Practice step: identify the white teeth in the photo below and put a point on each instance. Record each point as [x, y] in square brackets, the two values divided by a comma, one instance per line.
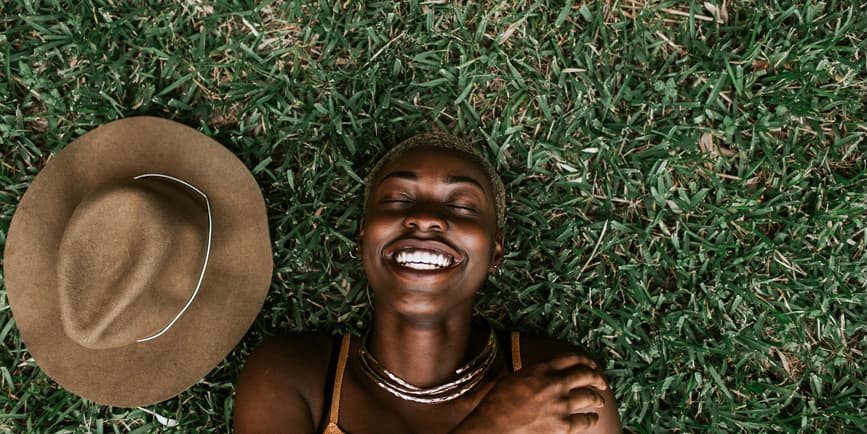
[420, 266]
[422, 259]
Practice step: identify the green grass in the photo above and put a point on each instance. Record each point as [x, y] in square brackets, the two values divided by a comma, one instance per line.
[687, 191]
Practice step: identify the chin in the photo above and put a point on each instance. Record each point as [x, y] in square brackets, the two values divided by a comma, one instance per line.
[420, 305]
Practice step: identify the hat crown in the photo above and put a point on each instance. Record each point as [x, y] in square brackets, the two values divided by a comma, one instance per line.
[129, 260]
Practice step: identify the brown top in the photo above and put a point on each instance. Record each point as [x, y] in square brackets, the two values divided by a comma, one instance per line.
[334, 412]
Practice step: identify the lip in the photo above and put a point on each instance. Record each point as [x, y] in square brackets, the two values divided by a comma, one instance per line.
[433, 246]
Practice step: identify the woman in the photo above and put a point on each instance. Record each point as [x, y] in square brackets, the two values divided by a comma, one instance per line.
[431, 233]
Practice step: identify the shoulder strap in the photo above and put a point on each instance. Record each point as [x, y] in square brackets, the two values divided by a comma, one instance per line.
[334, 413]
[516, 352]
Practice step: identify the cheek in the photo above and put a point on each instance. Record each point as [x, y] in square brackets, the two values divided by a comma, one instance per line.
[480, 242]
[376, 230]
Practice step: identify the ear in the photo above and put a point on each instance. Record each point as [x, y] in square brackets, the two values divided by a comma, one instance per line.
[360, 230]
[497, 255]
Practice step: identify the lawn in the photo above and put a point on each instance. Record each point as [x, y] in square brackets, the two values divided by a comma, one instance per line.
[687, 183]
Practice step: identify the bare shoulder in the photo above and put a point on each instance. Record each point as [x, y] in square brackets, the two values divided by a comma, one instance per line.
[538, 349]
[281, 388]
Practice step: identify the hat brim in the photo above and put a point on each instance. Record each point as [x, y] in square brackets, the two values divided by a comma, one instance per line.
[232, 291]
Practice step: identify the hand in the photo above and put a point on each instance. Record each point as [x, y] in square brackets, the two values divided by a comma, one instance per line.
[559, 396]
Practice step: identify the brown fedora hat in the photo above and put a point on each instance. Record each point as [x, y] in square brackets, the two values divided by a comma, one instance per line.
[136, 260]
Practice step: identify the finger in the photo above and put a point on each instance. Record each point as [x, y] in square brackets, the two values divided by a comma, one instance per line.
[584, 399]
[569, 360]
[578, 423]
[582, 376]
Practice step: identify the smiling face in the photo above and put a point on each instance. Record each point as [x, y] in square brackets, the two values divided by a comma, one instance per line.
[429, 234]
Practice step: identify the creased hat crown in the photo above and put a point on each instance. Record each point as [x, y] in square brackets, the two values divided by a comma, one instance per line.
[129, 260]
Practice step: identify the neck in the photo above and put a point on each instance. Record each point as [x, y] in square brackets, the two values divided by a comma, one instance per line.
[425, 352]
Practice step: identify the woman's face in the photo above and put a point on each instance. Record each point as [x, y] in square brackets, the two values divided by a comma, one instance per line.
[429, 233]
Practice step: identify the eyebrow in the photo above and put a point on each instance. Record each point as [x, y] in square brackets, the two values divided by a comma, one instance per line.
[458, 179]
[465, 180]
[402, 175]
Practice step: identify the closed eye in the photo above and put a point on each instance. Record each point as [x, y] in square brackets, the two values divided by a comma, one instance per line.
[397, 201]
[463, 207]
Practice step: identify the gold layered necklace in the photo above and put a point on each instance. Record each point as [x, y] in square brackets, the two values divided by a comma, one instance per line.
[467, 376]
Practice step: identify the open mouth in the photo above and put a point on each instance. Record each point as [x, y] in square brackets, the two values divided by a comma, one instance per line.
[422, 259]
[423, 255]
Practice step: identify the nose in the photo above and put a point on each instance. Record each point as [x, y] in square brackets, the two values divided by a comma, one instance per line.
[424, 219]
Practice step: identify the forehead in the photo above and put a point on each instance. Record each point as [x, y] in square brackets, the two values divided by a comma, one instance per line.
[431, 162]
